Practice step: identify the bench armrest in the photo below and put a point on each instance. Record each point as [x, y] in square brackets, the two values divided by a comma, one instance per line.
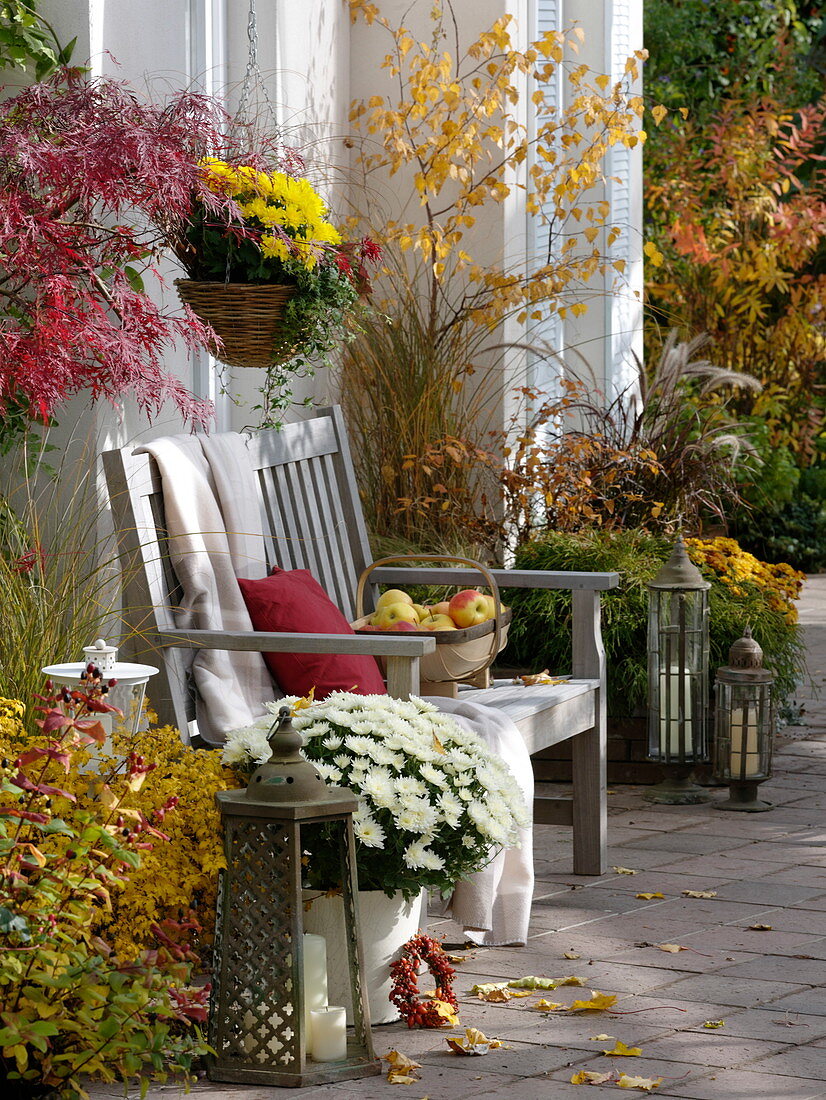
[505, 578]
[402, 654]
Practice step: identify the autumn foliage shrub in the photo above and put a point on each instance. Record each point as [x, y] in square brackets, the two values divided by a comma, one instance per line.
[70, 1006]
[744, 591]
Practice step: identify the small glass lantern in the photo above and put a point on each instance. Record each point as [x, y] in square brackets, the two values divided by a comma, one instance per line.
[678, 677]
[267, 1025]
[127, 693]
[744, 726]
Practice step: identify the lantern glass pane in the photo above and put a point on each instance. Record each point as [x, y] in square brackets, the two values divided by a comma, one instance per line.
[678, 675]
[744, 726]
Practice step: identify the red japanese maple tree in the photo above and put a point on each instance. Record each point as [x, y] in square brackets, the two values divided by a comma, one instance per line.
[87, 173]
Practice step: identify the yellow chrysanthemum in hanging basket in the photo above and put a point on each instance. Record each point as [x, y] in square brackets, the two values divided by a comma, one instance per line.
[267, 269]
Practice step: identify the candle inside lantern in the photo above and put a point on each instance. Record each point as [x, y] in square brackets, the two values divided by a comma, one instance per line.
[744, 744]
[328, 1034]
[315, 982]
[671, 712]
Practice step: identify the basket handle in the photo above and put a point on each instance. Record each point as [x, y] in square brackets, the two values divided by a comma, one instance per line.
[489, 578]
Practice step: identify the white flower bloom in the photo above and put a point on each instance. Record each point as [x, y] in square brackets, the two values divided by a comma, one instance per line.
[415, 857]
[451, 808]
[382, 755]
[359, 746]
[468, 842]
[431, 774]
[342, 760]
[378, 786]
[246, 747]
[407, 786]
[368, 831]
[333, 742]
[328, 773]
[416, 815]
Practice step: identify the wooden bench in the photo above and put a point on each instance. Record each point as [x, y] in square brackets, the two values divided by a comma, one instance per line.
[313, 520]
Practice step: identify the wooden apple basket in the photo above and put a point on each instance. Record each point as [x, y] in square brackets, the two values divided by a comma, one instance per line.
[463, 655]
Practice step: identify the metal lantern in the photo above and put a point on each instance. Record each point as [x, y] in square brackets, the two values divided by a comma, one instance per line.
[678, 676]
[261, 1028]
[127, 693]
[744, 726]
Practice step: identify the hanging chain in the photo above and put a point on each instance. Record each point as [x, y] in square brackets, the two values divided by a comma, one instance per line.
[253, 73]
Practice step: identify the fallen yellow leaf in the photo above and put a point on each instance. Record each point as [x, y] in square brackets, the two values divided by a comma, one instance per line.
[760, 928]
[571, 955]
[601, 1038]
[623, 870]
[649, 895]
[487, 987]
[597, 1002]
[497, 996]
[472, 1042]
[402, 1069]
[588, 1077]
[546, 1006]
[621, 1048]
[447, 1012]
[645, 1084]
[699, 893]
[672, 948]
[714, 1023]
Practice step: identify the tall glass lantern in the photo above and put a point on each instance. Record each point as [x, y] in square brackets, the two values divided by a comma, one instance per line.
[678, 676]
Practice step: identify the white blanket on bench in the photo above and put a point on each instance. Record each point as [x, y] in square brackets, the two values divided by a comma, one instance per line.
[213, 522]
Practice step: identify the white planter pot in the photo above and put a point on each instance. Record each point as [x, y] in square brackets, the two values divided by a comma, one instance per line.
[386, 925]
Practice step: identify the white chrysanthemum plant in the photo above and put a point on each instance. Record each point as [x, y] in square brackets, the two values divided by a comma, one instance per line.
[435, 804]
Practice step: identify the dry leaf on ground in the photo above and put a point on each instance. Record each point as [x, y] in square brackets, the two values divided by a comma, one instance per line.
[546, 1006]
[597, 1003]
[645, 1084]
[621, 1049]
[570, 955]
[402, 1069]
[472, 1042]
[649, 895]
[588, 1077]
[760, 928]
[532, 982]
[624, 871]
[699, 893]
[601, 1038]
[484, 988]
[714, 1023]
[672, 948]
[449, 1015]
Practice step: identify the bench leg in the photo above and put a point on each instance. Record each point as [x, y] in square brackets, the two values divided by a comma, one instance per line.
[590, 813]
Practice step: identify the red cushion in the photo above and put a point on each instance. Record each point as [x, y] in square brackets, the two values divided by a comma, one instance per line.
[293, 601]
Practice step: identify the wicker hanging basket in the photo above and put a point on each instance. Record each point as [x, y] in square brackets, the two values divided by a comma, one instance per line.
[247, 316]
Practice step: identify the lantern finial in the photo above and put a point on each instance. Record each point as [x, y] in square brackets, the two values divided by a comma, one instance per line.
[286, 776]
[679, 571]
[745, 653]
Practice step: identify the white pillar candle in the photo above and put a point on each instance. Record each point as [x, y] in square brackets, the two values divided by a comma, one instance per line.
[744, 739]
[670, 718]
[328, 1034]
[314, 975]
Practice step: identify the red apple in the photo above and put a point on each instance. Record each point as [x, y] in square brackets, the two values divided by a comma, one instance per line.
[403, 624]
[442, 608]
[469, 608]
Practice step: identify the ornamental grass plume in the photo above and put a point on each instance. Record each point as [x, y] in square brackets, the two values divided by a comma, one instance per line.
[434, 802]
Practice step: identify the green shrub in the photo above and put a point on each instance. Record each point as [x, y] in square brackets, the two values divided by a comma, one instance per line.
[743, 592]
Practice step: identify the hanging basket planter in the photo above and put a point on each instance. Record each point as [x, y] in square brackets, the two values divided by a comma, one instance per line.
[248, 317]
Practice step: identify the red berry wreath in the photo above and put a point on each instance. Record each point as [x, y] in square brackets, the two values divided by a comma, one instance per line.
[405, 992]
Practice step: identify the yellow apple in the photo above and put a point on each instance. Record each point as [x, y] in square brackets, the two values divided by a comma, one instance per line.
[422, 612]
[438, 622]
[393, 595]
[390, 613]
[469, 608]
[442, 608]
[492, 606]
